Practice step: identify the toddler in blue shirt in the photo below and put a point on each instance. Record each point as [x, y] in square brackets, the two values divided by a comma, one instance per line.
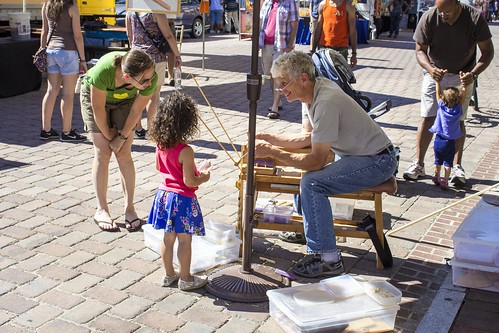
[447, 130]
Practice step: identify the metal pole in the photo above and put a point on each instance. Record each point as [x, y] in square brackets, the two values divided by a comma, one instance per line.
[204, 25]
[254, 86]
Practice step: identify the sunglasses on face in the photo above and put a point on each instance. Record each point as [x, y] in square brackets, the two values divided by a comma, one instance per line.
[143, 82]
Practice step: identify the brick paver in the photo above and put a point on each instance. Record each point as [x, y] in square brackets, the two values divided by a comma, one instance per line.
[60, 273]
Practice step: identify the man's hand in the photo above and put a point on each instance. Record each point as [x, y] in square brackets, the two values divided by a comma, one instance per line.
[263, 136]
[263, 149]
[437, 74]
[353, 60]
[466, 78]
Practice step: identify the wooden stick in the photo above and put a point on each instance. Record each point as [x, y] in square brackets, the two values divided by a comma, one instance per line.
[391, 232]
[218, 119]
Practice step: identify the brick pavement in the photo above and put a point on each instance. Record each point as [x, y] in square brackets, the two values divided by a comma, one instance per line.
[59, 273]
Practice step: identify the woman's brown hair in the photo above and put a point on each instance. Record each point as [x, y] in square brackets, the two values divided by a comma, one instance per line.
[134, 62]
[55, 7]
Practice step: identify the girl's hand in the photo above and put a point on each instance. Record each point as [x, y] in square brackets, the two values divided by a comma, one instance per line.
[205, 166]
[466, 78]
[437, 74]
[204, 176]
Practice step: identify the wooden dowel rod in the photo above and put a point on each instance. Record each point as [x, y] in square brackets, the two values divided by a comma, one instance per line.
[391, 232]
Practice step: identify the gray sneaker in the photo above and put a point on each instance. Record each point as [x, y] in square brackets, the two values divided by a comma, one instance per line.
[457, 175]
[414, 171]
[198, 282]
[313, 266]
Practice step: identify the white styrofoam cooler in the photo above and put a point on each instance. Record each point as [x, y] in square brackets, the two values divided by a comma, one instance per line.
[343, 208]
[205, 253]
[477, 238]
[311, 308]
[475, 276]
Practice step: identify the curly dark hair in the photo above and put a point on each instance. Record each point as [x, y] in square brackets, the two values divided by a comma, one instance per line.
[176, 120]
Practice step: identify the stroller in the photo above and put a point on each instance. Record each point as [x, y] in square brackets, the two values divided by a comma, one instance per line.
[331, 64]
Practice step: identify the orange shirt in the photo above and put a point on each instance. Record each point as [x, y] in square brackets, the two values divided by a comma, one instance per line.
[335, 25]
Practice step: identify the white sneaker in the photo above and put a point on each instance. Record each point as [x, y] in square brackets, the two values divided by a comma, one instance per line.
[168, 280]
[414, 171]
[457, 175]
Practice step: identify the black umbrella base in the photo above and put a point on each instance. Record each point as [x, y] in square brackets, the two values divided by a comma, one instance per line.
[231, 283]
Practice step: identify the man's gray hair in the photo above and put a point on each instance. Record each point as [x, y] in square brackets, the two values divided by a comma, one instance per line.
[292, 65]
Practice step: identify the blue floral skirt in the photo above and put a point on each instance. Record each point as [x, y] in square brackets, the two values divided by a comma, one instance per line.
[176, 213]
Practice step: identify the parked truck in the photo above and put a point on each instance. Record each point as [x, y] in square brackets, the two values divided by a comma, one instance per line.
[90, 10]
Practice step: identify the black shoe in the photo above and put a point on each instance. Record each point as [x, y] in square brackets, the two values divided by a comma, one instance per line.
[52, 134]
[313, 266]
[72, 136]
[140, 134]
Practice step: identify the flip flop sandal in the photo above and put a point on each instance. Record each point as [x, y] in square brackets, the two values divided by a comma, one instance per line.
[129, 224]
[114, 227]
[273, 115]
[293, 237]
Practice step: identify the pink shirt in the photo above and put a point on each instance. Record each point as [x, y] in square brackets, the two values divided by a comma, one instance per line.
[172, 173]
[271, 24]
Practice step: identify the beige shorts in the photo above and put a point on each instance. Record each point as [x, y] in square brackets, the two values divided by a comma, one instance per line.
[160, 69]
[269, 54]
[313, 24]
[116, 112]
[429, 101]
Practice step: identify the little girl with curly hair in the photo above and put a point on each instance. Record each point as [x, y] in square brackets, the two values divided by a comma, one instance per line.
[447, 129]
[175, 208]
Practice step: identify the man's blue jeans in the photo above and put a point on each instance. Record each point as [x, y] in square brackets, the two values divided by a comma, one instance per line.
[347, 175]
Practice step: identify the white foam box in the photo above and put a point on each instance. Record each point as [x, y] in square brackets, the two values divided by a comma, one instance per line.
[475, 276]
[311, 308]
[219, 232]
[205, 254]
[476, 240]
[343, 208]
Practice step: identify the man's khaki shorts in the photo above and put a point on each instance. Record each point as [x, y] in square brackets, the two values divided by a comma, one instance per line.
[429, 101]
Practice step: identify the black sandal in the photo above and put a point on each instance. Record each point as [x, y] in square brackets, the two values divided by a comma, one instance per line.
[129, 224]
[273, 115]
[113, 228]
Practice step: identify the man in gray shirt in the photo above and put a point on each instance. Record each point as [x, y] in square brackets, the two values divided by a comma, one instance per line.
[339, 124]
[446, 40]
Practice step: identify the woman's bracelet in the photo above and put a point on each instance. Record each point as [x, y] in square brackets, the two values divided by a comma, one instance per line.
[83, 60]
